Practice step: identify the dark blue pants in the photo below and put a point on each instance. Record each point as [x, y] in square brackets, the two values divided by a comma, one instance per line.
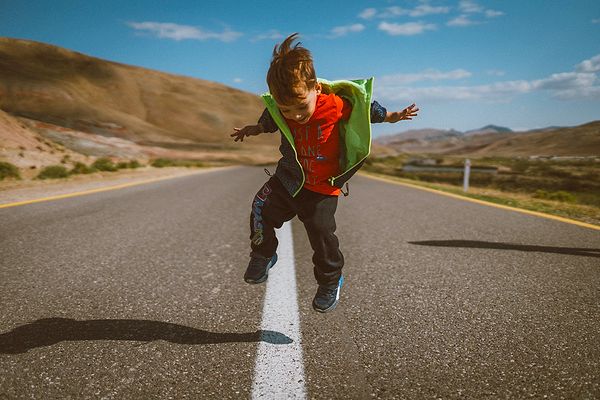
[273, 205]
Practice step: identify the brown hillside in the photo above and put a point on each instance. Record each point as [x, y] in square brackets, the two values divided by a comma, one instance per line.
[61, 87]
[25, 148]
[582, 140]
[579, 141]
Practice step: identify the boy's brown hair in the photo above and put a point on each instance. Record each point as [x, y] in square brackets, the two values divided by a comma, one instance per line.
[291, 73]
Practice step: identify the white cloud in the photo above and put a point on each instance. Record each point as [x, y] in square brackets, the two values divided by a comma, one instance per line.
[591, 65]
[469, 6]
[596, 21]
[426, 9]
[406, 29]
[592, 92]
[565, 81]
[339, 31]
[368, 13]
[395, 11]
[238, 80]
[461, 20]
[496, 92]
[427, 75]
[582, 84]
[493, 13]
[495, 72]
[269, 35]
[179, 32]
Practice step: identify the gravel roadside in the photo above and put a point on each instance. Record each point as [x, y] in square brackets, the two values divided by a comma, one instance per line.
[16, 191]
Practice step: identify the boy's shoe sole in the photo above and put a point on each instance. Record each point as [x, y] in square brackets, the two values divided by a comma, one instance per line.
[337, 298]
[266, 275]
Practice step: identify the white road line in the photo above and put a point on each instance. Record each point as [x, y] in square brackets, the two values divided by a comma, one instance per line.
[279, 371]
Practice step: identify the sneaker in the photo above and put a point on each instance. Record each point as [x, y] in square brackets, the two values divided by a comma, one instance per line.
[258, 268]
[327, 298]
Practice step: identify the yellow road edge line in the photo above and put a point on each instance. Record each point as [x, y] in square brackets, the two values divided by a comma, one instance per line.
[486, 203]
[102, 189]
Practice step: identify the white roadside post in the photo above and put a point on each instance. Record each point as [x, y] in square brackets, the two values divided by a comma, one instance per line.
[467, 173]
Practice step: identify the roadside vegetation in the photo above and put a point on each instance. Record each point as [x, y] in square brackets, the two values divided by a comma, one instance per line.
[8, 170]
[564, 187]
[53, 172]
[101, 164]
[167, 162]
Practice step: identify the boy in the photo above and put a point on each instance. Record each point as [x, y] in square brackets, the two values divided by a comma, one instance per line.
[326, 137]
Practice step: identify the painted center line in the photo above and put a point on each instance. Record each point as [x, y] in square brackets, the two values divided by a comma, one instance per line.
[279, 371]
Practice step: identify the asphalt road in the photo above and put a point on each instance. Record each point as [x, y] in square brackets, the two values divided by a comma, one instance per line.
[138, 293]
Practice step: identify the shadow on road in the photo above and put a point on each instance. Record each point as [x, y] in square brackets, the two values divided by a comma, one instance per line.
[574, 251]
[49, 331]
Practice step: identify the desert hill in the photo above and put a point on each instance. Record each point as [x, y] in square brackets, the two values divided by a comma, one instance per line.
[63, 94]
[417, 135]
[488, 129]
[583, 140]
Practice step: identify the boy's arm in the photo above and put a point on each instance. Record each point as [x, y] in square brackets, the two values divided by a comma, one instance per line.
[265, 124]
[406, 114]
[378, 112]
[381, 114]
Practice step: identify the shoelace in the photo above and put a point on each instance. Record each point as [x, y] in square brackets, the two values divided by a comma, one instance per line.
[258, 262]
[326, 291]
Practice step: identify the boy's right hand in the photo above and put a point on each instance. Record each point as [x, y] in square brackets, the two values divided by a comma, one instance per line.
[248, 130]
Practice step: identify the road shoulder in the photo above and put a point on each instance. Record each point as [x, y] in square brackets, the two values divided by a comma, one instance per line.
[19, 192]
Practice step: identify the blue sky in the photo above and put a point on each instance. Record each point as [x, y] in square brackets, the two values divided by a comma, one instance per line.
[466, 63]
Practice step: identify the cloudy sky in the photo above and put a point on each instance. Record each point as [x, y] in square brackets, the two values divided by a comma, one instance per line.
[466, 63]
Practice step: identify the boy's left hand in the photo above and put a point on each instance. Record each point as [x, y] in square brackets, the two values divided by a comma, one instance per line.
[407, 114]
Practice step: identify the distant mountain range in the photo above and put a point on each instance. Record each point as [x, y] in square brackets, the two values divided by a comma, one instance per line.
[492, 140]
[56, 103]
[433, 134]
[488, 129]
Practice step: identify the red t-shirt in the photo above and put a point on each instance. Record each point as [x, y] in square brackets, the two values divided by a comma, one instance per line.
[318, 142]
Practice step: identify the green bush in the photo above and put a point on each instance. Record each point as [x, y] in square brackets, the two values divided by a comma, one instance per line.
[128, 164]
[521, 166]
[81, 168]
[104, 164]
[166, 162]
[193, 163]
[162, 162]
[8, 170]
[134, 164]
[561, 195]
[53, 172]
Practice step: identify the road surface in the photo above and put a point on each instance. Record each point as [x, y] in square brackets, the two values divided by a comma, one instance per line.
[138, 293]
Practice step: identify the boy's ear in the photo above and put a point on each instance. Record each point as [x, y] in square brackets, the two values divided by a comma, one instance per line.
[318, 87]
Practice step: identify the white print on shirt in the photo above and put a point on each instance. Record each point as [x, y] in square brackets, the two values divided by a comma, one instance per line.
[309, 154]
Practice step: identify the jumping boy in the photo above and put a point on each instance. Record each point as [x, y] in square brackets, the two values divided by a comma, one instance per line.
[326, 137]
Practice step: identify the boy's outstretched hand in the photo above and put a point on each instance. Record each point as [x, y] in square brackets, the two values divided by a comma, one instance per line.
[248, 130]
[407, 113]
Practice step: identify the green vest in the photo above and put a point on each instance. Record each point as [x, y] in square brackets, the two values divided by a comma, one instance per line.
[355, 134]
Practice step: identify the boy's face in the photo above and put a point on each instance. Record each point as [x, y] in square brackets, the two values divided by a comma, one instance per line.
[303, 106]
